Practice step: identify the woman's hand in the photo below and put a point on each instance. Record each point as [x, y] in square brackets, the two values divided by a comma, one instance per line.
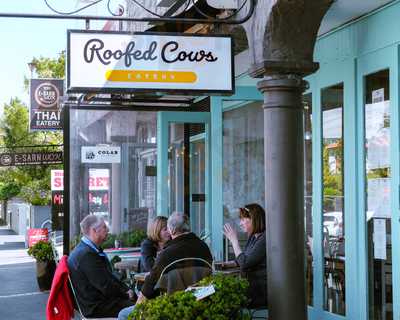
[141, 298]
[230, 233]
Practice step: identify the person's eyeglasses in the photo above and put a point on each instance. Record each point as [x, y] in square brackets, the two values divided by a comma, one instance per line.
[245, 209]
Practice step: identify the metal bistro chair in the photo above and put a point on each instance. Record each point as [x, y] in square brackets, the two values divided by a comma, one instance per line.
[180, 274]
[80, 315]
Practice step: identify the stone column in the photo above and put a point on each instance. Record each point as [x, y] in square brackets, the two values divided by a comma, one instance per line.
[283, 148]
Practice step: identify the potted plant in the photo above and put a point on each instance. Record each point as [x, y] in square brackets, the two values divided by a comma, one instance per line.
[225, 304]
[42, 251]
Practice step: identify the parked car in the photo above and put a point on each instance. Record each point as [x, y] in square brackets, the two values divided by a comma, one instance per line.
[333, 223]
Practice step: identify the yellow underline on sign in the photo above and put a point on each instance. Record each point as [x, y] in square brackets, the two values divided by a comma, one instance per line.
[151, 76]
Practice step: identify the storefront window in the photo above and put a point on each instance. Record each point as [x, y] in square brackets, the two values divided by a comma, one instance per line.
[176, 168]
[186, 183]
[378, 178]
[198, 186]
[333, 199]
[308, 223]
[112, 171]
[243, 162]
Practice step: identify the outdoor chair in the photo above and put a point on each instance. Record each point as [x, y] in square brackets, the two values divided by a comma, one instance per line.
[334, 277]
[182, 273]
[79, 315]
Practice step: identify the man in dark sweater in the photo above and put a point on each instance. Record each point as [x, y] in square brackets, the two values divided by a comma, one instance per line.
[183, 244]
[99, 292]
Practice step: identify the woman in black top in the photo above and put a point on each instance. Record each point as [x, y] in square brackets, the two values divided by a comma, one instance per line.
[253, 259]
[157, 236]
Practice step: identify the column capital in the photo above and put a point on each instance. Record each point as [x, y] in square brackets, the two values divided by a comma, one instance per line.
[282, 90]
[267, 67]
[282, 34]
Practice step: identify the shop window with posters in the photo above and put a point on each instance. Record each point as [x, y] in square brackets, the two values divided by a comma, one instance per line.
[112, 172]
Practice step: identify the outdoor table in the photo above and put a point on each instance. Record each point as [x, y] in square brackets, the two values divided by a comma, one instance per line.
[227, 267]
[112, 252]
[230, 271]
[128, 265]
[140, 277]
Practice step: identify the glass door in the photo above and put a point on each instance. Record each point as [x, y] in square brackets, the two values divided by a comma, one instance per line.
[378, 216]
[183, 159]
[197, 185]
[379, 171]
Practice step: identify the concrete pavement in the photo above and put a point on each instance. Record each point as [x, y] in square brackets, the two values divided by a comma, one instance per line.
[20, 298]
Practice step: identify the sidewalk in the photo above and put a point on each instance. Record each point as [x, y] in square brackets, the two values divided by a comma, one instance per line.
[20, 298]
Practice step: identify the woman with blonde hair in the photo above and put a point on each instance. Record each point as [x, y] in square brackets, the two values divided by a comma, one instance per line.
[157, 236]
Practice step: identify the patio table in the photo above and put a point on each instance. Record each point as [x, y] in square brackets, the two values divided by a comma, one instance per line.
[112, 252]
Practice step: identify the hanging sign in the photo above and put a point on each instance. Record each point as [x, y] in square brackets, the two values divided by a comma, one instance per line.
[30, 158]
[125, 62]
[45, 110]
[101, 154]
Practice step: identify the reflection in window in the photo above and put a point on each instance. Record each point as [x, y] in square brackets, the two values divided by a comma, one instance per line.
[187, 173]
[197, 187]
[307, 102]
[243, 162]
[333, 199]
[176, 161]
[122, 191]
[378, 214]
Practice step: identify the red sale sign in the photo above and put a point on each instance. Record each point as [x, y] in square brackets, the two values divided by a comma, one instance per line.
[57, 180]
[99, 179]
[35, 235]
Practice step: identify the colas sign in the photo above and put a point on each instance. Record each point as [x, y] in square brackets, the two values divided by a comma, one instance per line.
[124, 62]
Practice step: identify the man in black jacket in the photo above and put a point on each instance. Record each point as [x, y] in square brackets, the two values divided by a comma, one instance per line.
[99, 292]
[183, 244]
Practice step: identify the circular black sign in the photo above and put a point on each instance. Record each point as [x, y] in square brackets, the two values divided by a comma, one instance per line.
[5, 159]
[46, 95]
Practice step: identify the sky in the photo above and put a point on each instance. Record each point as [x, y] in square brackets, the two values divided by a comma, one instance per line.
[22, 39]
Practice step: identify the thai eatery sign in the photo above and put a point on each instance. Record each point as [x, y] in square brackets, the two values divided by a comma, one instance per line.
[126, 62]
[45, 108]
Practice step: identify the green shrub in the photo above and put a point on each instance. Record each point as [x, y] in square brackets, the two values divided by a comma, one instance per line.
[225, 304]
[109, 243]
[41, 251]
[128, 239]
[75, 241]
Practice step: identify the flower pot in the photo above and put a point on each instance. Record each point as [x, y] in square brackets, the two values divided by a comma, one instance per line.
[44, 273]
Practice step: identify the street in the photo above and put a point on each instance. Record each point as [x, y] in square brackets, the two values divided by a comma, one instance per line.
[20, 298]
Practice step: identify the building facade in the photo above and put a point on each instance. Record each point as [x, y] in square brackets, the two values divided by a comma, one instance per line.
[210, 161]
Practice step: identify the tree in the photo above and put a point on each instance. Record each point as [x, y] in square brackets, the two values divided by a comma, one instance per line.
[8, 190]
[31, 183]
[48, 68]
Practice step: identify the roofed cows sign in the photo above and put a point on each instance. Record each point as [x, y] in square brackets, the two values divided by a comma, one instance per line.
[124, 62]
